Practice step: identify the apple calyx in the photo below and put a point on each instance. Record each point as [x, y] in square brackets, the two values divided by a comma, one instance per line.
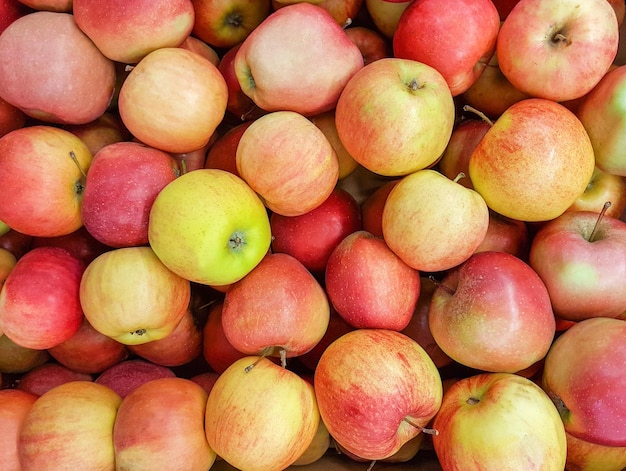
[439, 284]
[594, 232]
[557, 38]
[269, 351]
[138, 332]
[79, 186]
[234, 20]
[478, 113]
[472, 401]
[236, 241]
[429, 431]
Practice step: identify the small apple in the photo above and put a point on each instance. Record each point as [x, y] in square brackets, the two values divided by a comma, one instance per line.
[16, 242]
[127, 375]
[104, 130]
[7, 263]
[506, 235]
[344, 12]
[41, 379]
[602, 187]
[200, 47]
[223, 153]
[373, 206]
[80, 243]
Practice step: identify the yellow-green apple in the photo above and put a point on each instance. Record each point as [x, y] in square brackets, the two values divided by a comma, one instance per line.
[433, 223]
[7, 263]
[70, 426]
[39, 302]
[373, 205]
[127, 33]
[42, 180]
[14, 405]
[133, 279]
[173, 99]
[162, 421]
[536, 147]
[41, 379]
[209, 227]
[386, 15]
[583, 455]
[79, 243]
[200, 47]
[581, 257]
[507, 411]
[218, 352]
[15, 359]
[327, 124]
[288, 161]
[312, 236]
[317, 448]
[602, 113]
[369, 285]
[226, 23]
[344, 12]
[422, 34]
[372, 44]
[11, 117]
[380, 96]
[582, 375]
[52, 71]
[89, 351]
[260, 419]
[557, 50]
[127, 375]
[279, 71]
[123, 181]
[492, 313]
[602, 187]
[506, 235]
[278, 308]
[105, 129]
[376, 389]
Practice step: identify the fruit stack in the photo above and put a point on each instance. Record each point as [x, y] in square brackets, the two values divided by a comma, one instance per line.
[327, 234]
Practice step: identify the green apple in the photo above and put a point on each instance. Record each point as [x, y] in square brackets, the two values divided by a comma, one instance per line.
[209, 227]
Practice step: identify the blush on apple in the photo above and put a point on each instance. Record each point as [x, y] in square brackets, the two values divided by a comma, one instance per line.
[127, 375]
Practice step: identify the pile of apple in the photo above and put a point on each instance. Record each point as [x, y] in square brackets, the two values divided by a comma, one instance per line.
[250, 232]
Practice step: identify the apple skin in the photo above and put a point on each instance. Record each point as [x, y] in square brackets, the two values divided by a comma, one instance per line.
[372, 44]
[582, 375]
[47, 376]
[493, 313]
[133, 279]
[602, 187]
[80, 243]
[39, 303]
[218, 352]
[584, 276]
[369, 285]
[343, 11]
[123, 182]
[312, 236]
[385, 15]
[16, 242]
[373, 206]
[222, 154]
[15, 359]
[423, 35]
[509, 167]
[11, 117]
[395, 116]
[127, 33]
[162, 421]
[587, 456]
[7, 263]
[510, 413]
[279, 305]
[200, 47]
[14, 405]
[70, 426]
[557, 50]
[11, 10]
[127, 375]
[506, 235]
[106, 129]
[41, 185]
[273, 411]
[368, 383]
[281, 72]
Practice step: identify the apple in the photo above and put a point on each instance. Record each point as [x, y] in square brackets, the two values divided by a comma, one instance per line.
[506, 235]
[162, 421]
[11, 10]
[492, 313]
[39, 302]
[395, 116]
[123, 182]
[433, 223]
[372, 44]
[14, 405]
[536, 147]
[376, 389]
[11, 117]
[226, 23]
[47, 376]
[584, 455]
[52, 71]
[222, 154]
[200, 47]
[455, 37]
[345, 12]
[260, 419]
[43, 179]
[15, 359]
[104, 130]
[217, 350]
[317, 448]
[280, 71]
[79, 243]
[70, 426]
[369, 285]
[209, 227]
[206, 379]
[278, 309]
[557, 50]
[386, 15]
[581, 257]
[64, 6]
[312, 236]
[602, 187]
[16, 242]
[582, 375]
[195, 159]
[288, 161]
[373, 206]
[7, 263]
[127, 375]
[498, 421]
[127, 33]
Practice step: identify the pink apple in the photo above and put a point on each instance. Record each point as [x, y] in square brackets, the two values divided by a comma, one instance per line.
[455, 37]
[14, 405]
[52, 71]
[205, 379]
[127, 375]
[202, 48]
[47, 376]
[217, 350]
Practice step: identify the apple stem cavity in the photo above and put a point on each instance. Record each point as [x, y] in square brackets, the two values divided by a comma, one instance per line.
[594, 232]
[439, 284]
[478, 113]
[559, 39]
[429, 431]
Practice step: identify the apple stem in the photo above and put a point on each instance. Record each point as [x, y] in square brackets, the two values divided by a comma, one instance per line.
[369, 468]
[560, 38]
[458, 177]
[347, 23]
[605, 207]
[267, 351]
[429, 431]
[472, 401]
[183, 166]
[75, 160]
[128, 67]
[478, 113]
[439, 284]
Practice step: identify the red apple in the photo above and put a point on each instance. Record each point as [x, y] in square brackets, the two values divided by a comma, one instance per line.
[11, 10]
[49, 5]
[205, 379]
[79, 243]
[217, 350]
[223, 153]
[11, 117]
[506, 235]
[372, 208]
[14, 405]
[16, 242]
[47, 376]
[372, 44]
[343, 11]
[104, 130]
[126, 376]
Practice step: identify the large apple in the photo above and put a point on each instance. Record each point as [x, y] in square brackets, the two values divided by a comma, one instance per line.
[433, 223]
[133, 280]
[533, 162]
[455, 37]
[395, 116]
[261, 419]
[42, 180]
[498, 421]
[493, 313]
[14, 405]
[557, 49]
[209, 227]
[376, 390]
[280, 71]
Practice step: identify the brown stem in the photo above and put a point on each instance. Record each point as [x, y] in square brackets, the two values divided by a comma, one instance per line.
[478, 113]
[458, 177]
[77, 163]
[605, 207]
[439, 284]
[430, 431]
